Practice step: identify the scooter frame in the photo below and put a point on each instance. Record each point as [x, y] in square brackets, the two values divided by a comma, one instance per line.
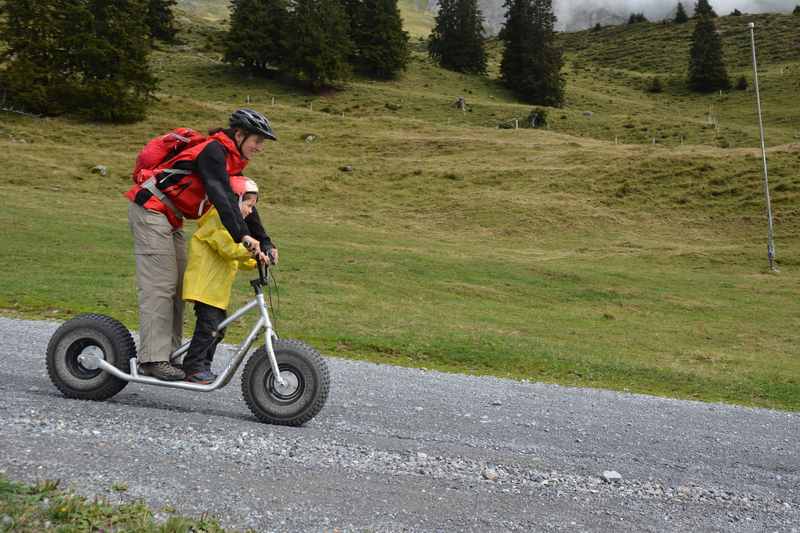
[92, 360]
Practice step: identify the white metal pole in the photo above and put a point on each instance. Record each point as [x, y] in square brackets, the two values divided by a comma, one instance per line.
[770, 241]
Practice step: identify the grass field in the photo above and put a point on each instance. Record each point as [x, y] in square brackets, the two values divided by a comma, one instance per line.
[557, 255]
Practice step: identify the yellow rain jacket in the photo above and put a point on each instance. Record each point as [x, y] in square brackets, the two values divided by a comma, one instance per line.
[214, 259]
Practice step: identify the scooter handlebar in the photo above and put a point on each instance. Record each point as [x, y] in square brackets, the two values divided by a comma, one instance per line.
[262, 272]
[262, 267]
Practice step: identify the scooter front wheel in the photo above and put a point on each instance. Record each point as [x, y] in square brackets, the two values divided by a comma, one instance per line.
[307, 382]
[99, 334]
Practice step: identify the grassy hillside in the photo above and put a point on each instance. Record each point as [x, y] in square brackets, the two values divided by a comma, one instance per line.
[610, 69]
[661, 48]
[550, 255]
[607, 73]
[416, 19]
[207, 10]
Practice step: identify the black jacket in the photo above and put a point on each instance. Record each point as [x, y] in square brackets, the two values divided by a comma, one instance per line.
[210, 166]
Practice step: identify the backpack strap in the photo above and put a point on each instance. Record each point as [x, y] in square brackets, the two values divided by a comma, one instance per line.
[150, 185]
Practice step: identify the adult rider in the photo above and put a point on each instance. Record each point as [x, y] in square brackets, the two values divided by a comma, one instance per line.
[185, 187]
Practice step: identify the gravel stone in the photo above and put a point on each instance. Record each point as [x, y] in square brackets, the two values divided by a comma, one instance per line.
[689, 466]
[490, 474]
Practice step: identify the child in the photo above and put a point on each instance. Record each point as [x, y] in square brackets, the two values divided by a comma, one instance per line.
[214, 259]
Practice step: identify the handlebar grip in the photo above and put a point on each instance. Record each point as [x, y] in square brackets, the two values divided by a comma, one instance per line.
[262, 277]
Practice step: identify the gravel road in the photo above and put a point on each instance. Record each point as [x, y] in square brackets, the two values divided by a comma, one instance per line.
[408, 450]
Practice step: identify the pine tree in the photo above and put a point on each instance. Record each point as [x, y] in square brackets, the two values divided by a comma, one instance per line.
[707, 70]
[636, 18]
[442, 42]
[531, 63]
[380, 46]
[680, 15]
[88, 58]
[796, 10]
[115, 80]
[703, 8]
[457, 39]
[318, 43]
[255, 38]
[35, 69]
[161, 19]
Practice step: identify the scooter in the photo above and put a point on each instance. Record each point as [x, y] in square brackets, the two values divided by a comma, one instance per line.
[285, 382]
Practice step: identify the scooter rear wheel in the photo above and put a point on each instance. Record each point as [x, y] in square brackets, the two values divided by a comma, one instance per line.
[84, 333]
[306, 390]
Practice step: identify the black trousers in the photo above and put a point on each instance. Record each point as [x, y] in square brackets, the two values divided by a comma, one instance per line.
[204, 343]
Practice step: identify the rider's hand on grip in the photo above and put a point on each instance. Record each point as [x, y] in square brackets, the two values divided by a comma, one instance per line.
[251, 244]
[254, 248]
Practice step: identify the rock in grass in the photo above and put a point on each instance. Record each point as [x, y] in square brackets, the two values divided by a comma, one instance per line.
[611, 476]
[100, 169]
[346, 168]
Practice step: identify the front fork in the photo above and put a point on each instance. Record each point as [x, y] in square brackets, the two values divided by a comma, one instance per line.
[268, 332]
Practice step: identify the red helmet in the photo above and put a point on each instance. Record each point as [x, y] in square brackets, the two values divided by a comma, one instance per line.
[242, 185]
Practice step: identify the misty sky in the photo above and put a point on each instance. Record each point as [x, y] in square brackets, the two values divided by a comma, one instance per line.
[572, 14]
[565, 9]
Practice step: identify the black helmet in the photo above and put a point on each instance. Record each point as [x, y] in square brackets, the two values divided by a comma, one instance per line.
[253, 122]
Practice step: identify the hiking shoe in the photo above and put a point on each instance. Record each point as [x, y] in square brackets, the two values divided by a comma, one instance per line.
[204, 377]
[162, 370]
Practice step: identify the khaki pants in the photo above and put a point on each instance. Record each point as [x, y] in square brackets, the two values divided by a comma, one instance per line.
[160, 262]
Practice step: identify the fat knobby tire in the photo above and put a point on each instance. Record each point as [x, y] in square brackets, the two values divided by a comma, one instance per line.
[89, 331]
[305, 365]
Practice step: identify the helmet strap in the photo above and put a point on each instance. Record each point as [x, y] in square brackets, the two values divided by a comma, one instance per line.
[239, 144]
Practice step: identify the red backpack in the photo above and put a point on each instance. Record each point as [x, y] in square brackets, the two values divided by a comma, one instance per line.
[163, 148]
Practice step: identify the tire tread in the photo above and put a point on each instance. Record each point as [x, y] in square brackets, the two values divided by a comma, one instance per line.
[119, 337]
[315, 359]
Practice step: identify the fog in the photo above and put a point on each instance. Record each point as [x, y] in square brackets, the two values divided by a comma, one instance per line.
[575, 12]
[581, 14]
